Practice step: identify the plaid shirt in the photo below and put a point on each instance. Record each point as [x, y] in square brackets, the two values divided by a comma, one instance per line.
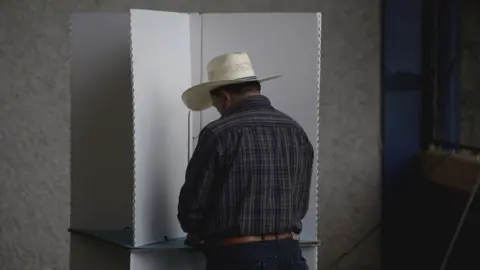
[250, 174]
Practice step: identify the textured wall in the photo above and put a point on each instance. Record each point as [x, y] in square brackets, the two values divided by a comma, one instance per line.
[34, 125]
[470, 72]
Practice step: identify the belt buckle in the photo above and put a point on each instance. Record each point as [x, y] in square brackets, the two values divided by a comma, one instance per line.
[295, 236]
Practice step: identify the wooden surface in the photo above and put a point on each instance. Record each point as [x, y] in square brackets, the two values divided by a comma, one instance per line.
[450, 181]
[458, 171]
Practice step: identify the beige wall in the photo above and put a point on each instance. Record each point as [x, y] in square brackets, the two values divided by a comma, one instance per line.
[34, 125]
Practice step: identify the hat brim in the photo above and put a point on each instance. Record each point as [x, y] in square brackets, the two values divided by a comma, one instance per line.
[197, 98]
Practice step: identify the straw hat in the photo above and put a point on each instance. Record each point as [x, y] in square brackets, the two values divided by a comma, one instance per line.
[226, 69]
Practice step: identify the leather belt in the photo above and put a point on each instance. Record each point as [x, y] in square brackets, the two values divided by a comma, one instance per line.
[249, 239]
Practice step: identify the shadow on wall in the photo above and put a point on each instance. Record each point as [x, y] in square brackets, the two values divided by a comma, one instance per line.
[470, 73]
[403, 80]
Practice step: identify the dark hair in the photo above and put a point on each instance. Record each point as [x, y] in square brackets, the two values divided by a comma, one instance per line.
[238, 89]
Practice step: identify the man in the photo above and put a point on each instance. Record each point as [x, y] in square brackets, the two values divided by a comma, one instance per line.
[247, 184]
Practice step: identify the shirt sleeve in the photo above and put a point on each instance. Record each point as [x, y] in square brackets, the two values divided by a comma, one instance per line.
[198, 181]
[307, 178]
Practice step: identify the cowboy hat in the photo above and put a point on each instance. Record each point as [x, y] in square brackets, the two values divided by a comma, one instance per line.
[225, 69]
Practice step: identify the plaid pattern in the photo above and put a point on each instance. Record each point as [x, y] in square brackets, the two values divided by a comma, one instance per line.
[250, 174]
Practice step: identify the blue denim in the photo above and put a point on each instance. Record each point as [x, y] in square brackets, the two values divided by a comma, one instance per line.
[265, 255]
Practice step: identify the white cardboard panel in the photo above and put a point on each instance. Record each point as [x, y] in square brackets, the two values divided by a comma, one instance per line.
[310, 255]
[167, 259]
[282, 43]
[161, 64]
[90, 254]
[197, 70]
[189, 259]
[101, 122]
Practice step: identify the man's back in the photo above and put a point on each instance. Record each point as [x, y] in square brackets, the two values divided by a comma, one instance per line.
[260, 175]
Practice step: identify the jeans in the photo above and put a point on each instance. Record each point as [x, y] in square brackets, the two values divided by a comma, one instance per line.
[265, 255]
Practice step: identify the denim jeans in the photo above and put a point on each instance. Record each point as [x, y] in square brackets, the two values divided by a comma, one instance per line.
[265, 255]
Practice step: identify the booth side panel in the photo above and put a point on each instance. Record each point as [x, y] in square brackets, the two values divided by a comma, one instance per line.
[285, 44]
[167, 259]
[91, 254]
[161, 64]
[310, 255]
[197, 70]
[101, 122]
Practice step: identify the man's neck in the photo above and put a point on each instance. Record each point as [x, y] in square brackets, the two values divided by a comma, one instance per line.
[242, 101]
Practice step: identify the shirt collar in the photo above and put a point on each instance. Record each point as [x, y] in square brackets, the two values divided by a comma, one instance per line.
[250, 103]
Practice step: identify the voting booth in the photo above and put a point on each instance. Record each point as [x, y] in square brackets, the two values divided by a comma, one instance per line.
[132, 136]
